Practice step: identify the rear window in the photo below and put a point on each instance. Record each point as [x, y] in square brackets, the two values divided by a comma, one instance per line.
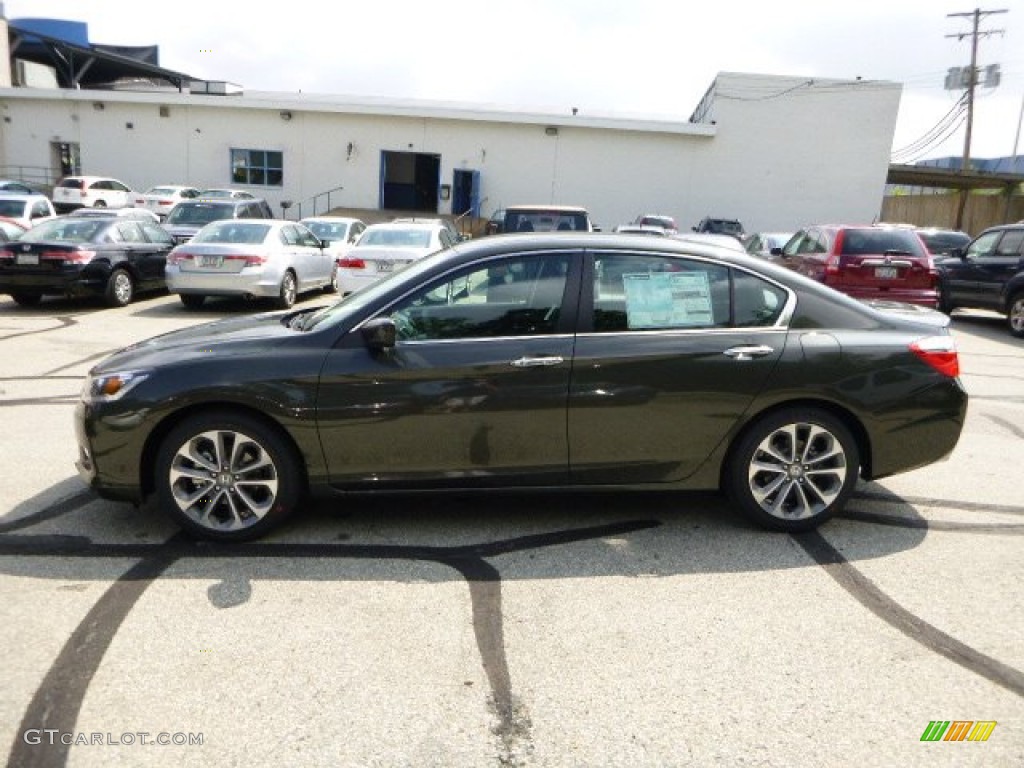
[944, 242]
[64, 230]
[233, 232]
[198, 214]
[401, 238]
[546, 220]
[862, 242]
[71, 183]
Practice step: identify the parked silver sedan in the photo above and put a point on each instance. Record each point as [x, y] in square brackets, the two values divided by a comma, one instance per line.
[254, 259]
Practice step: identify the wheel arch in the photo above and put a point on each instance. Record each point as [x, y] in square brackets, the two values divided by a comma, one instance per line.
[845, 415]
[147, 463]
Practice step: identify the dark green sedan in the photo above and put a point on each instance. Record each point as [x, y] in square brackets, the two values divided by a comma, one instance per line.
[559, 361]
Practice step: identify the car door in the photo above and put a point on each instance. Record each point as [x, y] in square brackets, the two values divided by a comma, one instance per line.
[160, 244]
[995, 270]
[139, 252]
[473, 394]
[320, 261]
[962, 276]
[671, 350]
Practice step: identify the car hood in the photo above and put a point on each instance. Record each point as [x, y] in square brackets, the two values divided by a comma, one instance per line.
[252, 334]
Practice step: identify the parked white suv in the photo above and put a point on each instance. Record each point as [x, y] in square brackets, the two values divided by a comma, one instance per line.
[74, 192]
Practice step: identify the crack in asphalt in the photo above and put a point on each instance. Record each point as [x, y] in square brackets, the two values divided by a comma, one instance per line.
[58, 699]
[65, 322]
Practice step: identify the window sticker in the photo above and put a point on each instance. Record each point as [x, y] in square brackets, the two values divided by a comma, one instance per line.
[667, 300]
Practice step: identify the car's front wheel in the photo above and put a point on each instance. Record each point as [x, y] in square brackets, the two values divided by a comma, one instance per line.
[793, 469]
[120, 288]
[1015, 315]
[227, 476]
[100, 204]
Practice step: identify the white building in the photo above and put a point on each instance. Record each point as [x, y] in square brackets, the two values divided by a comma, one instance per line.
[774, 152]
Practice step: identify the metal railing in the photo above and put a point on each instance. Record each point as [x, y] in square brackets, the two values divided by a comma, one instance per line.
[312, 201]
[37, 176]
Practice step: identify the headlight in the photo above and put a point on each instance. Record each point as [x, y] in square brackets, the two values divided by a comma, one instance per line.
[111, 386]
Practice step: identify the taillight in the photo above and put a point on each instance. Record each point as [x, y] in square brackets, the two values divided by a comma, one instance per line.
[251, 260]
[73, 257]
[940, 353]
[5, 254]
[176, 257]
[352, 263]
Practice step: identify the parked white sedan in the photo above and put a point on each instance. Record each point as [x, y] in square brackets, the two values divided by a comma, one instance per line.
[161, 199]
[250, 258]
[339, 232]
[386, 248]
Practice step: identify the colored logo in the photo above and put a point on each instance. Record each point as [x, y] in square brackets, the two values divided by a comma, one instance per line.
[958, 730]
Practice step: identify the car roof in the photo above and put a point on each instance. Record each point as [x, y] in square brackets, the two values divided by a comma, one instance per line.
[543, 207]
[407, 224]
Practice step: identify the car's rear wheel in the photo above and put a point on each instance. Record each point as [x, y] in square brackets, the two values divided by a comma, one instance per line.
[26, 299]
[192, 300]
[227, 476]
[945, 303]
[793, 469]
[1015, 315]
[332, 284]
[100, 204]
[289, 290]
[120, 288]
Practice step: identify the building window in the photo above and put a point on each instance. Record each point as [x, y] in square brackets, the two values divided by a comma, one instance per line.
[260, 167]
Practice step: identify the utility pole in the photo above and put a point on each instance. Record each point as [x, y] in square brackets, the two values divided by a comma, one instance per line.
[972, 80]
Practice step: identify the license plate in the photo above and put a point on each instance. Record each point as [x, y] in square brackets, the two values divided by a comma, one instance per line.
[211, 261]
[886, 273]
[27, 258]
[385, 266]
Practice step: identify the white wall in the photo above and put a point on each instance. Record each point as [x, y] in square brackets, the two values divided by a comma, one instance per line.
[781, 152]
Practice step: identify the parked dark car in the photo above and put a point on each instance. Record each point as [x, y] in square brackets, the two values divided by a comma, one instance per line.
[555, 361]
[866, 262]
[942, 242]
[110, 256]
[716, 226]
[987, 274]
[189, 216]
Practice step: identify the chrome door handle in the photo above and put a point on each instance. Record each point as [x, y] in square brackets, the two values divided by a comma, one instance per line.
[536, 362]
[749, 352]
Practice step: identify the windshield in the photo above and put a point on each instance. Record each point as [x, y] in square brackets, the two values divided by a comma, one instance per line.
[354, 302]
[400, 238]
[198, 214]
[161, 191]
[326, 230]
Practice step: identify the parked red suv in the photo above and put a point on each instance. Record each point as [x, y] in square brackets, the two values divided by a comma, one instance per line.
[866, 262]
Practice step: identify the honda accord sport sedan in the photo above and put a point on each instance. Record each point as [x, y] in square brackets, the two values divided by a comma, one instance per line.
[531, 361]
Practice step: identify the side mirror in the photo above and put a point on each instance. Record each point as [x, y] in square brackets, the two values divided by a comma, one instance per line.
[325, 244]
[695, 229]
[380, 334]
[960, 253]
[775, 251]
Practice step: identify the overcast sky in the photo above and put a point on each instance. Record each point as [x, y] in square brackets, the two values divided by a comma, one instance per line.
[625, 57]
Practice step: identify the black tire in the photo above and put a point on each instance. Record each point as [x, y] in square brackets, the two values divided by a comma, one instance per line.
[332, 286]
[100, 204]
[288, 292]
[120, 288]
[779, 492]
[192, 300]
[945, 303]
[1015, 315]
[27, 299]
[200, 489]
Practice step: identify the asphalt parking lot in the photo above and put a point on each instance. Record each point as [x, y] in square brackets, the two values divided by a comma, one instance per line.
[504, 630]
